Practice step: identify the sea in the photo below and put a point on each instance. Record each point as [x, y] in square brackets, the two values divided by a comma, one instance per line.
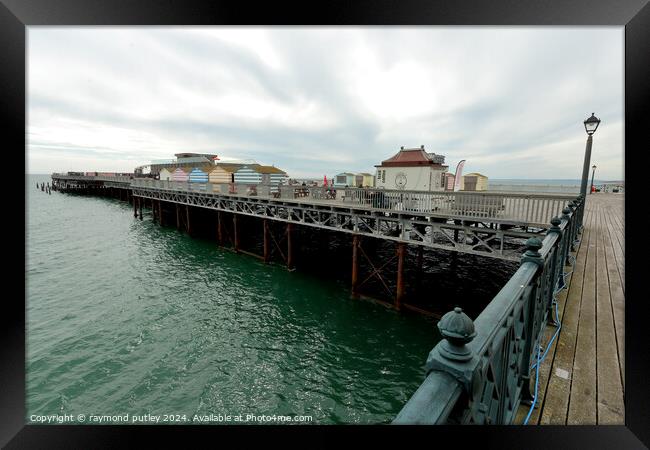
[127, 321]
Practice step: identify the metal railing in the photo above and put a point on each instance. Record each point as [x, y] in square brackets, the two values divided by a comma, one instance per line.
[312, 192]
[239, 189]
[116, 178]
[518, 207]
[531, 209]
[480, 371]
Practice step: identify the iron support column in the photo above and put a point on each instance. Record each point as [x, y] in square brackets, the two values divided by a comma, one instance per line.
[289, 247]
[400, 275]
[355, 264]
[267, 253]
[235, 233]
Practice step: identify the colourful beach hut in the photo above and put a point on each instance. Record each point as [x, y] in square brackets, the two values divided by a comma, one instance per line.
[165, 174]
[223, 173]
[181, 174]
[199, 174]
[345, 179]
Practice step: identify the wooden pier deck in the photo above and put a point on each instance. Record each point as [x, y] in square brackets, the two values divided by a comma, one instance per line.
[582, 378]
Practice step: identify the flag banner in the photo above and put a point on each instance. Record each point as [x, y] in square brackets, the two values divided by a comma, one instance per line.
[459, 173]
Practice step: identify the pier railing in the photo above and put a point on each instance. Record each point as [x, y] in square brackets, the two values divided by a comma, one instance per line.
[528, 208]
[480, 371]
[115, 178]
[522, 207]
[219, 188]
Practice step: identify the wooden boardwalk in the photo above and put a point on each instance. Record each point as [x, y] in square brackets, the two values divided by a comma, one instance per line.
[582, 378]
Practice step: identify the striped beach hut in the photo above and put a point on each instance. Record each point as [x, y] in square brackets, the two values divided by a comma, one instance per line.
[223, 173]
[257, 174]
[248, 174]
[181, 174]
[272, 175]
[199, 174]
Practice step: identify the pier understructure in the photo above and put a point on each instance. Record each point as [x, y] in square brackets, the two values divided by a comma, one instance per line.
[484, 224]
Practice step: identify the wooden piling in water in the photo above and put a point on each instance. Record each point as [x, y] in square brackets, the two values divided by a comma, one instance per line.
[355, 265]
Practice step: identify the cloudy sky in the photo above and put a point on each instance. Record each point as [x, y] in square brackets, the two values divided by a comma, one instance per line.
[322, 100]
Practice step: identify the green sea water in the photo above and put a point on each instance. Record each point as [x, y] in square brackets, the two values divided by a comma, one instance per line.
[126, 317]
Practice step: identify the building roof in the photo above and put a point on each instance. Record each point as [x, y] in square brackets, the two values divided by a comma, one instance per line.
[228, 167]
[192, 155]
[204, 168]
[269, 169]
[344, 173]
[474, 174]
[262, 169]
[409, 157]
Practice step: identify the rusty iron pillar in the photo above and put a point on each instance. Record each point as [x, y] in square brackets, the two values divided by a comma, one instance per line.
[399, 295]
[355, 264]
[267, 247]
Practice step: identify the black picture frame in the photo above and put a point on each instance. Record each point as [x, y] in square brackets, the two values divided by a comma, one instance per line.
[634, 15]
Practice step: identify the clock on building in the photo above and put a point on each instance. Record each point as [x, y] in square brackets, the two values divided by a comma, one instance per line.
[400, 180]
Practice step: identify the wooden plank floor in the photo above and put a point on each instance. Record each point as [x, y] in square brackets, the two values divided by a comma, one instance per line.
[582, 378]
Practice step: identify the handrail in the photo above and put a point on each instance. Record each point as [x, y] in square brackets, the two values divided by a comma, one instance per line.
[489, 359]
[530, 209]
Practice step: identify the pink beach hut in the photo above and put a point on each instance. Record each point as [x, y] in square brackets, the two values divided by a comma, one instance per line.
[181, 174]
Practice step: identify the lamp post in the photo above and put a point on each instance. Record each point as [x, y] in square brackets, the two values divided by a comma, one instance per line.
[593, 171]
[590, 127]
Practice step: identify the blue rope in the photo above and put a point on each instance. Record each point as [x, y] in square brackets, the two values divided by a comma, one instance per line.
[548, 347]
[532, 407]
[559, 327]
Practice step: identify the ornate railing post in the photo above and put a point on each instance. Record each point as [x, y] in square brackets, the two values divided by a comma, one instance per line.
[532, 306]
[569, 233]
[576, 222]
[558, 255]
[581, 210]
[452, 355]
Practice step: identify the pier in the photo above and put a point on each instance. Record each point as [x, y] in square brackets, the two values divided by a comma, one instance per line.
[563, 307]
[582, 378]
[493, 225]
[553, 337]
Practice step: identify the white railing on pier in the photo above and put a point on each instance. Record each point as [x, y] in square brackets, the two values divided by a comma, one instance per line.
[528, 208]
[113, 178]
[520, 207]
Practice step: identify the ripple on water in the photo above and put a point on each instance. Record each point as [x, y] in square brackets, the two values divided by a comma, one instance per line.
[123, 316]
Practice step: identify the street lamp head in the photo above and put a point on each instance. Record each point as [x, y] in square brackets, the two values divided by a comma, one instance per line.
[591, 124]
[594, 167]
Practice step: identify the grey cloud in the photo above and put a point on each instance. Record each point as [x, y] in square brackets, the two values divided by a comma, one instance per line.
[522, 90]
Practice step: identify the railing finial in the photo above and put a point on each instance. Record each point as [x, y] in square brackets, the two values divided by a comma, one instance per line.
[457, 329]
[532, 253]
[555, 225]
